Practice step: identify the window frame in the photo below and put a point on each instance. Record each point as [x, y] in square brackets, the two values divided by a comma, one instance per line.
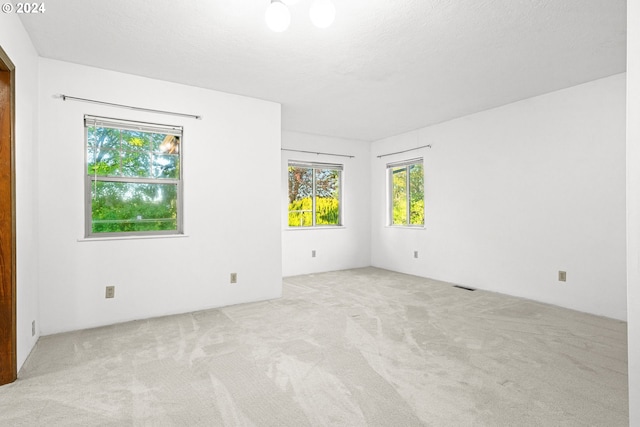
[318, 166]
[89, 179]
[407, 167]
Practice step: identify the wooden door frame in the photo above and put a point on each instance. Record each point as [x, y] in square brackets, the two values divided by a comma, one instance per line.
[9, 367]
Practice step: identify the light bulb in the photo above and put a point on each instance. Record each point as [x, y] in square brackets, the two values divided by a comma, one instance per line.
[277, 16]
[289, 2]
[322, 13]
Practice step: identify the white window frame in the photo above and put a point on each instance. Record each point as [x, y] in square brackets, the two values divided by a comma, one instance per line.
[106, 122]
[317, 165]
[407, 165]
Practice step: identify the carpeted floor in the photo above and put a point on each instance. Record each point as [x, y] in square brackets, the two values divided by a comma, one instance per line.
[349, 348]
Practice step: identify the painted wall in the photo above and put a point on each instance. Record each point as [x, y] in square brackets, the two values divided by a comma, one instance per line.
[517, 193]
[336, 248]
[231, 204]
[633, 207]
[16, 43]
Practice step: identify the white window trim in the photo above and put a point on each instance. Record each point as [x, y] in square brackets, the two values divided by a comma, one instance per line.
[122, 124]
[318, 165]
[389, 196]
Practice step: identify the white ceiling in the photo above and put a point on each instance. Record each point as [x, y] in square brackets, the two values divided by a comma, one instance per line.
[383, 68]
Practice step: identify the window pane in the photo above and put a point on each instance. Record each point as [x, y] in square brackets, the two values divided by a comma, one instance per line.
[126, 207]
[135, 163]
[167, 144]
[103, 138]
[166, 166]
[114, 152]
[102, 162]
[136, 140]
[416, 188]
[399, 196]
[300, 193]
[103, 145]
[327, 197]
[300, 213]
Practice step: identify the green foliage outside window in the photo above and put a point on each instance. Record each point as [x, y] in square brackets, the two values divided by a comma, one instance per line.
[307, 183]
[124, 207]
[134, 178]
[407, 210]
[301, 212]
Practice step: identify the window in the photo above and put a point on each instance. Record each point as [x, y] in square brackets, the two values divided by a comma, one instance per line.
[406, 193]
[314, 194]
[133, 184]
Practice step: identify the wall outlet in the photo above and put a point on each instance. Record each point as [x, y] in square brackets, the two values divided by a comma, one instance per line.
[313, 253]
[233, 278]
[33, 328]
[110, 292]
[415, 254]
[562, 276]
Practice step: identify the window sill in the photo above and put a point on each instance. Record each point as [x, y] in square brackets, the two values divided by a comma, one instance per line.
[102, 239]
[404, 227]
[328, 227]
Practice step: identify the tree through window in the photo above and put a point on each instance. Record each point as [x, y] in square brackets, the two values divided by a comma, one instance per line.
[406, 193]
[314, 194]
[133, 178]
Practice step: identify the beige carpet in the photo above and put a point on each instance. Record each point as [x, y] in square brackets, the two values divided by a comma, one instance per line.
[350, 348]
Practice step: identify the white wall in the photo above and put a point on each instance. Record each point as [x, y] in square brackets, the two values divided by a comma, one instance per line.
[336, 248]
[231, 204]
[517, 193]
[16, 43]
[633, 207]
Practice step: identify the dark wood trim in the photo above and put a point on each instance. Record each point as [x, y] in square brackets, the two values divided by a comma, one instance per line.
[8, 351]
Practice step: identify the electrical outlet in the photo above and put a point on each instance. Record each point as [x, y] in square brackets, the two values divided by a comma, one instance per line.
[415, 254]
[562, 276]
[33, 328]
[110, 292]
[313, 253]
[233, 278]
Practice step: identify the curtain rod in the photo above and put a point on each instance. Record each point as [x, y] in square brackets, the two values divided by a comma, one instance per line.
[149, 110]
[315, 152]
[404, 151]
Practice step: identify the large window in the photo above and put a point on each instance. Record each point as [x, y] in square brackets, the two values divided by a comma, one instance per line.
[133, 178]
[314, 194]
[406, 193]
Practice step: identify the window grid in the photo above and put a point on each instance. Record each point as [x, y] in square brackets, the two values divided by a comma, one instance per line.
[131, 185]
[413, 197]
[295, 170]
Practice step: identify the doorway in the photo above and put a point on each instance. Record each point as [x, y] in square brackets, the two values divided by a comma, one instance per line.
[8, 360]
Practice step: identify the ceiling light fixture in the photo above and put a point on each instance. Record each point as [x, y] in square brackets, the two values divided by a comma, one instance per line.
[278, 17]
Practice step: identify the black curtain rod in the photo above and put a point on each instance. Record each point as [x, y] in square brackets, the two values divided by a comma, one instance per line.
[111, 104]
[404, 151]
[316, 152]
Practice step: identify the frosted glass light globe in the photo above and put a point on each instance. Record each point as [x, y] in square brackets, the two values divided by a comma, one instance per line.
[322, 13]
[277, 16]
[289, 2]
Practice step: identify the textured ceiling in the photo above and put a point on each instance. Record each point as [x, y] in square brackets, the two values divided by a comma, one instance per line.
[383, 68]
